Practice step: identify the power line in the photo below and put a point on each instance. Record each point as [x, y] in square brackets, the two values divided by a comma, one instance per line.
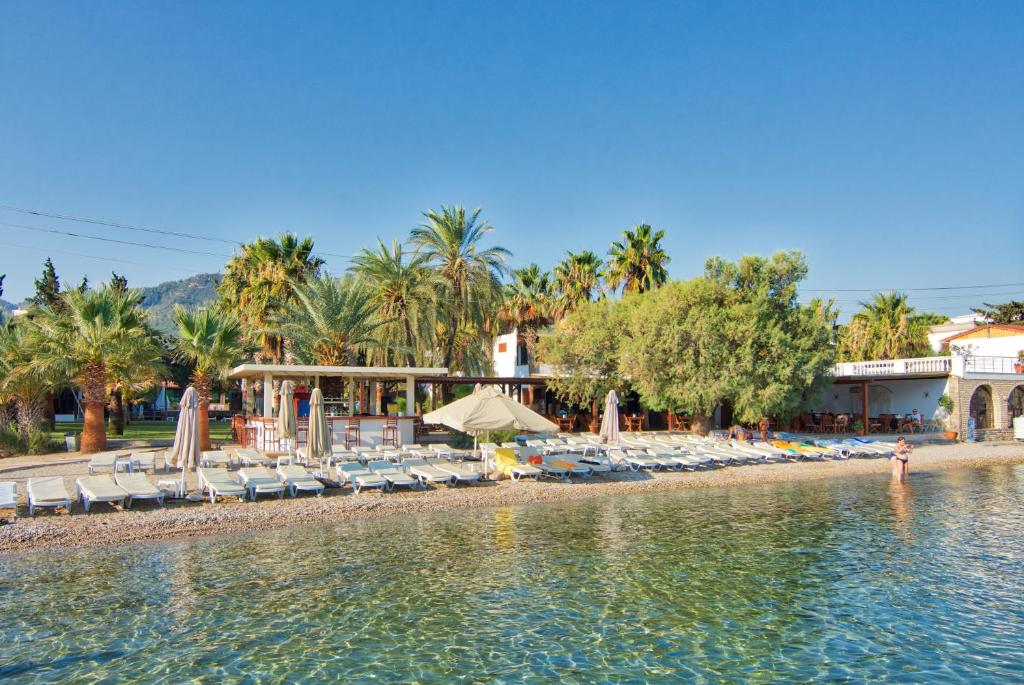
[114, 240]
[888, 290]
[112, 260]
[134, 227]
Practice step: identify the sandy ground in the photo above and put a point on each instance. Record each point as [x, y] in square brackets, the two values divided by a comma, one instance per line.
[106, 524]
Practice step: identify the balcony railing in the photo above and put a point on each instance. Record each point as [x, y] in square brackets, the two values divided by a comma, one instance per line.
[894, 367]
[1006, 365]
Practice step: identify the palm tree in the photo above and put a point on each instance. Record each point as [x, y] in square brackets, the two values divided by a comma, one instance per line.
[577, 278]
[469, 278]
[94, 333]
[333, 321]
[887, 327]
[213, 343]
[638, 262]
[259, 284]
[404, 293]
[20, 382]
[528, 305]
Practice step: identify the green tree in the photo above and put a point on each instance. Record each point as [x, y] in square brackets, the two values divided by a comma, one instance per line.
[21, 383]
[637, 263]
[212, 342]
[47, 287]
[469, 284]
[332, 322]
[260, 281]
[887, 327]
[675, 347]
[1008, 312]
[118, 283]
[781, 350]
[529, 304]
[86, 340]
[577, 279]
[583, 350]
[403, 289]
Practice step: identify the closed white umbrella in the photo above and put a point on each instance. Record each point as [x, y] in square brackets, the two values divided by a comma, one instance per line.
[318, 445]
[487, 409]
[286, 427]
[185, 452]
[610, 422]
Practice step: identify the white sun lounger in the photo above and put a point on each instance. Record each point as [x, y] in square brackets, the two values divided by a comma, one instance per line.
[259, 480]
[91, 489]
[297, 478]
[138, 487]
[215, 458]
[102, 461]
[593, 465]
[445, 451]
[220, 483]
[247, 456]
[144, 461]
[395, 476]
[359, 476]
[426, 472]
[9, 497]
[461, 472]
[507, 462]
[48, 491]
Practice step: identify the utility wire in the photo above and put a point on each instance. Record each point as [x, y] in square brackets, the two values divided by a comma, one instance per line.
[133, 227]
[112, 260]
[887, 290]
[114, 240]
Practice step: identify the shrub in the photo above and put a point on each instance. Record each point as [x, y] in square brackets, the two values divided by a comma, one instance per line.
[40, 443]
[9, 441]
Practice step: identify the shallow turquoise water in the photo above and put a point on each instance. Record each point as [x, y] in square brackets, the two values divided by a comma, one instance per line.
[846, 581]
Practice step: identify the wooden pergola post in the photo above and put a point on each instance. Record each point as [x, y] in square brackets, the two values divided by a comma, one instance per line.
[864, 406]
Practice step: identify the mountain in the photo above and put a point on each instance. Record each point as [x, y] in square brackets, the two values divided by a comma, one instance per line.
[190, 292]
[7, 307]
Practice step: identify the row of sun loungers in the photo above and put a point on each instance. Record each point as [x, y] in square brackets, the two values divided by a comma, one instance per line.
[417, 466]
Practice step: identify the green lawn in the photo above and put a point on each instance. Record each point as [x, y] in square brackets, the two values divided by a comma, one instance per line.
[148, 430]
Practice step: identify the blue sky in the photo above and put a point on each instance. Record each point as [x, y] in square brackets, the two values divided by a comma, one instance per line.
[883, 139]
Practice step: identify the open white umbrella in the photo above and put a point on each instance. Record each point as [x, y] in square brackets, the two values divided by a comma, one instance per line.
[610, 422]
[487, 409]
[286, 427]
[185, 452]
[318, 444]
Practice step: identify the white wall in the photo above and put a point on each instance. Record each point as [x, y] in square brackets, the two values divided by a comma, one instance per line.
[886, 397]
[1007, 346]
[505, 362]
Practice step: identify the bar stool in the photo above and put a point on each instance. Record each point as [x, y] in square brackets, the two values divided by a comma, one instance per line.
[249, 435]
[389, 434]
[270, 441]
[352, 433]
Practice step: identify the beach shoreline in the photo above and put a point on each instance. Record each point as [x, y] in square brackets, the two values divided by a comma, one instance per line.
[106, 525]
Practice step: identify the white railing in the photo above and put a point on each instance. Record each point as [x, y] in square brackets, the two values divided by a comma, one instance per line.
[894, 367]
[1007, 365]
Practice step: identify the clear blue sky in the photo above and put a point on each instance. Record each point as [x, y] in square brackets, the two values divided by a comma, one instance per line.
[883, 139]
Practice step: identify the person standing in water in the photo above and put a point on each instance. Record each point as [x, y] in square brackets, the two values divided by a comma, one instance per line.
[900, 459]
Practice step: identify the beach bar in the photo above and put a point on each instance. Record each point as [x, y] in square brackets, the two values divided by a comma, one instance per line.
[355, 400]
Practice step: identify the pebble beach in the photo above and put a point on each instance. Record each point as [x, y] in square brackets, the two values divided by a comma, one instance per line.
[106, 524]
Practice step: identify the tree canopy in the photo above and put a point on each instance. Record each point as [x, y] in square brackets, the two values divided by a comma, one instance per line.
[1008, 312]
[886, 327]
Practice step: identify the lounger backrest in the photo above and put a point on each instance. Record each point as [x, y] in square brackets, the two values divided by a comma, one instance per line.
[352, 467]
[48, 488]
[101, 486]
[505, 457]
[293, 471]
[414, 461]
[257, 472]
[380, 465]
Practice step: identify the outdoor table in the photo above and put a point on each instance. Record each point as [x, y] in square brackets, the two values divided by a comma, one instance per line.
[173, 487]
[125, 462]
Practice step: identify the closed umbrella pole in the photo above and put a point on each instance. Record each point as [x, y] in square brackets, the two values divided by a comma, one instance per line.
[610, 422]
[286, 428]
[185, 451]
[318, 445]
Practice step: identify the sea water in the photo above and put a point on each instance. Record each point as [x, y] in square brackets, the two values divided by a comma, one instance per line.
[847, 580]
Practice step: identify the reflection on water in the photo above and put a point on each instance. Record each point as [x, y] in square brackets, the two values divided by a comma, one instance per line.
[855, 579]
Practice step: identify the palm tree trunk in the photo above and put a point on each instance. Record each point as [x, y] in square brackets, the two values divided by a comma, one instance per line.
[116, 412]
[94, 433]
[201, 383]
[410, 358]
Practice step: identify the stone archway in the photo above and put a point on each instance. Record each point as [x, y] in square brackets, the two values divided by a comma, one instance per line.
[982, 409]
[1015, 404]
